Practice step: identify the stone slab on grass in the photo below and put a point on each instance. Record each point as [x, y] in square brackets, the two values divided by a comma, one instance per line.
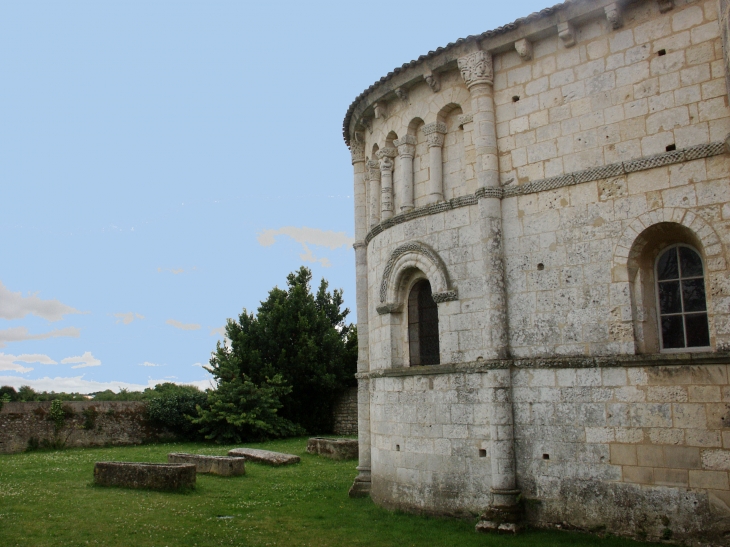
[264, 456]
[225, 466]
[152, 476]
[336, 449]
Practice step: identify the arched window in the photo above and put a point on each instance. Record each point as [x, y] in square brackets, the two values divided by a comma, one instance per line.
[423, 325]
[681, 302]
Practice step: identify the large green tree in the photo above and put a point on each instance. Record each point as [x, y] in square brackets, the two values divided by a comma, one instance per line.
[299, 337]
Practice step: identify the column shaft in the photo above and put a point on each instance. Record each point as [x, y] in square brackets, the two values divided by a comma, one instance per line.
[406, 149]
[435, 136]
[373, 167]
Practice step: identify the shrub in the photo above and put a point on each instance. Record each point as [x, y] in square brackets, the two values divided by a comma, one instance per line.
[173, 407]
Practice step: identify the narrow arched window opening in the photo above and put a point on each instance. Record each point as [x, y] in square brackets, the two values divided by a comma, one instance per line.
[423, 325]
[681, 300]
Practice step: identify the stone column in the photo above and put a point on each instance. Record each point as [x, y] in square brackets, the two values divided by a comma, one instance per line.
[724, 11]
[406, 149]
[476, 69]
[386, 156]
[434, 133]
[373, 173]
[361, 485]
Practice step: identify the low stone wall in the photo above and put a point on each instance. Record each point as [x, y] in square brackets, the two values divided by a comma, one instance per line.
[153, 476]
[345, 413]
[87, 423]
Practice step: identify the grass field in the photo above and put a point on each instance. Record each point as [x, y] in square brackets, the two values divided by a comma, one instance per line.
[47, 499]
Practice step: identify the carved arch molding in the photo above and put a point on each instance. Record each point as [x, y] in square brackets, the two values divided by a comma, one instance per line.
[414, 255]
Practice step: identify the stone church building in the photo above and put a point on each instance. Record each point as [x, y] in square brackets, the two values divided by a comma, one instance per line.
[542, 223]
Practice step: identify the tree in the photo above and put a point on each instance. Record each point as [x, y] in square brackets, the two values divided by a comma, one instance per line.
[174, 406]
[301, 338]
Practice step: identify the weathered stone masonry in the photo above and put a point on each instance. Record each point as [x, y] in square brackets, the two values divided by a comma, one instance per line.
[533, 175]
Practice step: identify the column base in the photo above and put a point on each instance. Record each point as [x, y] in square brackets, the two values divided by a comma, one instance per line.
[359, 489]
[502, 519]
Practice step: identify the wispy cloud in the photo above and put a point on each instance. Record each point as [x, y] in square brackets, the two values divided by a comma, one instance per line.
[308, 236]
[220, 331]
[11, 362]
[77, 384]
[183, 326]
[85, 360]
[19, 334]
[127, 317]
[148, 364]
[13, 305]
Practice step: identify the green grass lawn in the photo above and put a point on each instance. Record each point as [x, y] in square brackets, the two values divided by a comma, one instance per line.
[47, 499]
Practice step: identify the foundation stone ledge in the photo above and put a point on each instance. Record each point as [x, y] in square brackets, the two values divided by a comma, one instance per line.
[656, 360]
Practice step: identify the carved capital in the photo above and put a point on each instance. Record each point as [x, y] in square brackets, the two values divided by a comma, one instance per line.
[388, 308]
[386, 164]
[524, 49]
[406, 146]
[613, 14]
[401, 93]
[373, 169]
[357, 150]
[476, 68]
[666, 5]
[566, 33]
[366, 123]
[433, 81]
[386, 152]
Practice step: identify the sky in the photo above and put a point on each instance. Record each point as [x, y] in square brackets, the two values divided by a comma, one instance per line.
[163, 165]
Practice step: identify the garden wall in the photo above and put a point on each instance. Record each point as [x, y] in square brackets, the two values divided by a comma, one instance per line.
[345, 413]
[86, 424]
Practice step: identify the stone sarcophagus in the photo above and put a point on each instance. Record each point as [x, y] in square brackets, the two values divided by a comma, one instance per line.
[153, 476]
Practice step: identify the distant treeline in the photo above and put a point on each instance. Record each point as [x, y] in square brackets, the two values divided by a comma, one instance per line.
[26, 393]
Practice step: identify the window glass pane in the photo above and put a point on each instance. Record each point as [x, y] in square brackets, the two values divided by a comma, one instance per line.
[698, 334]
[690, 262]
[693, 293]
[672, 332]
[669, 300]
[666, 266]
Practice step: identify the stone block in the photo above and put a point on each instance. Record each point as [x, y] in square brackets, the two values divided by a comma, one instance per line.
[335, 449]
[650, 455]
[682, 457]
[623, 454]
[214, 465]
[708, 479]
[638, 475]
[716, 460]
[152, 476]
[671, 477]
[264, 456]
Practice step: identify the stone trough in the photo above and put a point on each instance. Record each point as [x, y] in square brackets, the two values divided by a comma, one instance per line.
[153, 476]
[225, 466]
[264, 456]
[336, 449]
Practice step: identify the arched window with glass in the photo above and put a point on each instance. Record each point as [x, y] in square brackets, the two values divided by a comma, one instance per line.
[681, 300]
[423, 325]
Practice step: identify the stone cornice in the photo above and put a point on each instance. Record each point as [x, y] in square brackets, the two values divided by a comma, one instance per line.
[612, 361]
[569, 179]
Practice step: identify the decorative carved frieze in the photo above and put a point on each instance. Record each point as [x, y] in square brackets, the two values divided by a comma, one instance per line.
[666, 5]
[446, 296]
[524, 49]
[433, 81]
[373, 169]
[464, 119]
[401, 93]
[613, 14]
[381, 110]
[566, 33]
[476, 68]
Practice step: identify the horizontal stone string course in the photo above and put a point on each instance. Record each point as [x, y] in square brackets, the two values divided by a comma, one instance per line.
[569, 179]
[616, 361]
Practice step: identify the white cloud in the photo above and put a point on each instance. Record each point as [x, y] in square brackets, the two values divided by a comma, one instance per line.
[18, 334]
[127, 317]
[85, 360]
[182, 326]
[13, 305]
[77, 384]
[220, 331]
[10, 362]
[148, 364]
[308, 236]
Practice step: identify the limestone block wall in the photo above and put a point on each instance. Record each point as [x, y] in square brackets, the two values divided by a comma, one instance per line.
[104, 423]
[345, 413]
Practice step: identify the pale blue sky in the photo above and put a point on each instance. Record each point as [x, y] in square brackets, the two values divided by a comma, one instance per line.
[164, 164]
